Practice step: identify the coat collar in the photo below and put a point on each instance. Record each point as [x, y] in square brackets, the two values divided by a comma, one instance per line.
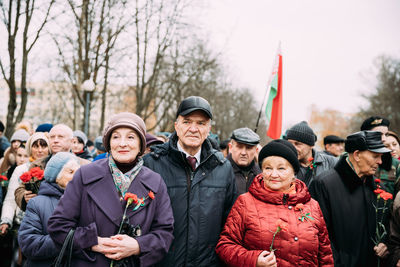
[101, 188]
[349, 177]
[258, 190]
[236, 169]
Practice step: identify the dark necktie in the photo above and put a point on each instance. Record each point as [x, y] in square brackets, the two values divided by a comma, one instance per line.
[192, 162]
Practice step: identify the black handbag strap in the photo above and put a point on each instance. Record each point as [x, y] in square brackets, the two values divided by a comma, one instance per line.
[66, 248]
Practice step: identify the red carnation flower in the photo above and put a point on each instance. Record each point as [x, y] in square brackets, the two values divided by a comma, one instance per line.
[37, 172]
[385, 195]
[151, 195]
[130, 197]
[377, 180]
[378, 191]
[281, 225]
[3, 178]
[26, 177]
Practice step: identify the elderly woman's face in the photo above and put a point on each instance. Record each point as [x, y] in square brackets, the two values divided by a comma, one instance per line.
[124, 145]
[278, 173]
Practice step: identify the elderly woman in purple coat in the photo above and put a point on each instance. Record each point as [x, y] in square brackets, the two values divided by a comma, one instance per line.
[93, 204]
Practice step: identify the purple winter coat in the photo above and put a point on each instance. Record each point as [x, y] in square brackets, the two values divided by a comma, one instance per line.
[92, 206]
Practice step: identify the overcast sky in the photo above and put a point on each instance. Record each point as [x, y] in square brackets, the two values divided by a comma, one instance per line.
[326, 47]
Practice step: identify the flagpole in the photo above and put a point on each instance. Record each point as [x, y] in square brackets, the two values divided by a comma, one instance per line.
[268, 91]
[262, 105]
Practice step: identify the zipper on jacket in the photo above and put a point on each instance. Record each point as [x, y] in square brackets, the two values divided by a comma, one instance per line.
[285, 198]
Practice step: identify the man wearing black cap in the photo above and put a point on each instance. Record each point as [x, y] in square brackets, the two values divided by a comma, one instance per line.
[243, 149]
[334, 145]
[200, 183]
[347, 200]
[389, 169]
[312, 162]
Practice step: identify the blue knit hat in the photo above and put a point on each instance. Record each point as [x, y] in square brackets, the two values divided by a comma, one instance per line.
[45, 127]
[55, 165]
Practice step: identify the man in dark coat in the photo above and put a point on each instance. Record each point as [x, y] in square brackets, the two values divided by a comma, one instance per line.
[334, 145]
[312, 162]
[243, 149]
[200, 184]
[347, 199]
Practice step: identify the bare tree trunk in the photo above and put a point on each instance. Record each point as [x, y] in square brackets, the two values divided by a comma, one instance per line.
[11, 19]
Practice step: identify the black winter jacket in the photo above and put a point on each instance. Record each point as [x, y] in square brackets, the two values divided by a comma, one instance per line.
[85, 154]
[347, 203]
[201, 201]
[323, 163]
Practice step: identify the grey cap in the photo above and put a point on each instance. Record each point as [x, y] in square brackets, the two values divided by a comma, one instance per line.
[81, 135]
[98, 143]
[245, 136]
[20, 135]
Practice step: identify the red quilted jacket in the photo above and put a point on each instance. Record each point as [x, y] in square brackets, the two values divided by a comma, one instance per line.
[252, 222]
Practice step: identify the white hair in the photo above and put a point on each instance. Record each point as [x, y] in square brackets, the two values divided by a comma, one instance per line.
[70, 164]
[68, 131]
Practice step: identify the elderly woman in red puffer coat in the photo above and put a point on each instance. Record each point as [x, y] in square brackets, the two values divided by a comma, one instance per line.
[276, 223]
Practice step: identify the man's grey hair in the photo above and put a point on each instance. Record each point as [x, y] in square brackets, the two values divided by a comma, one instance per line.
[66, 129]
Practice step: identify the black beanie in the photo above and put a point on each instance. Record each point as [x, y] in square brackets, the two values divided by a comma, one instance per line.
[302, 132]
[281, 148]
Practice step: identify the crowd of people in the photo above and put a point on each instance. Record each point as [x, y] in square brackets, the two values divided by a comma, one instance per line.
[131, 198]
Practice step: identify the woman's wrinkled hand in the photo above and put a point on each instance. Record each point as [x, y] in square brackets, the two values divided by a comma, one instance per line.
[120, 246]
[381, 250]
[266, 259]
[100, 247]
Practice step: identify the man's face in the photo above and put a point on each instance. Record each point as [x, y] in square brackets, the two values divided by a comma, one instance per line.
[304, 151]
[336, 149]
[242, 154]
[192, 130]
[59, 139]
[368, 162]
[383, 129]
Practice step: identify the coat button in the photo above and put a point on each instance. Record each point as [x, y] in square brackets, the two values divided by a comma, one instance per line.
[290, 207]
[296, 238]
[203, 173]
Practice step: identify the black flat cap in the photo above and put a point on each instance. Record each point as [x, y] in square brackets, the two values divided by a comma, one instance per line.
[245, 136]
[333, 139]
[365, 140]
[373, 122]
[193, 103]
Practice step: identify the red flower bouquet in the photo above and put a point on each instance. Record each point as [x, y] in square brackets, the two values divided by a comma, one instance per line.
[32, 179]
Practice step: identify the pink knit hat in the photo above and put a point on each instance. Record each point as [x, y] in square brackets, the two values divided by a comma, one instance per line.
[125, 119]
